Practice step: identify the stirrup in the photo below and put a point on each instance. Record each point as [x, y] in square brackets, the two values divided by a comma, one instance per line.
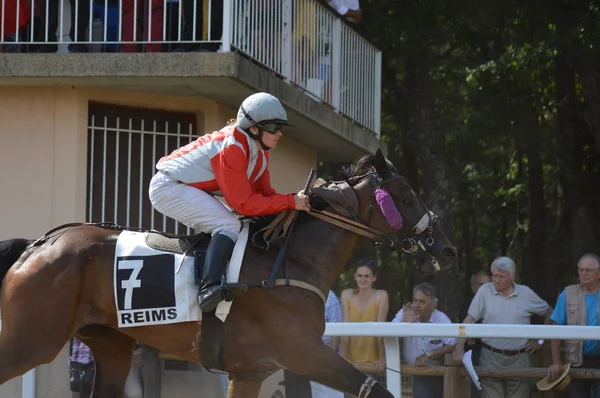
[209, 297]
[233, 290]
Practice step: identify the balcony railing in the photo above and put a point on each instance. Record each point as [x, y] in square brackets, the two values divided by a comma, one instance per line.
[303, 41]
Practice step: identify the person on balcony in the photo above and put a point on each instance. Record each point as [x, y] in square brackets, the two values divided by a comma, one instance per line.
[233, 161]
[504, 302]
[425, 351]
[142, 13]
[50, 31]
[11, 13]
[583, 304]
[193, 25]
[349, 9]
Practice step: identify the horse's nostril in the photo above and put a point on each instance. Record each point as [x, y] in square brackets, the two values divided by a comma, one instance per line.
[449, 252]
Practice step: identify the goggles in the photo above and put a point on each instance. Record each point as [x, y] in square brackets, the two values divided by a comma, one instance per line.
[271, 128]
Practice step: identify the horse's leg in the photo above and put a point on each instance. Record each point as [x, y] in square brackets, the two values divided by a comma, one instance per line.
[37, 315]
[22, 352]
[244, 386]
[323, 365]
[112, 352]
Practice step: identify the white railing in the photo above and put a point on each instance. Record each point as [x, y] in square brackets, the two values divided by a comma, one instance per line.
[308, 44]
[303, 41]
[391, 331]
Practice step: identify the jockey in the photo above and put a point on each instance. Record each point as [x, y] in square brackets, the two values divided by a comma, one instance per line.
[233, 162]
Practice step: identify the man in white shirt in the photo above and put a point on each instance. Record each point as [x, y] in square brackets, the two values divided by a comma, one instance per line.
[424, 351]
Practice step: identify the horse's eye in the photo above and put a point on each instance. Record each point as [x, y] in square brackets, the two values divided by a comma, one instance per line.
[407, 202]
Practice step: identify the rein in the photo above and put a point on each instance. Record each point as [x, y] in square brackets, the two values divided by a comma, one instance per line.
[354, 226]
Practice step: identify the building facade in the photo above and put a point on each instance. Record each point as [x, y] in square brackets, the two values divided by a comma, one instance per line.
[81, 134]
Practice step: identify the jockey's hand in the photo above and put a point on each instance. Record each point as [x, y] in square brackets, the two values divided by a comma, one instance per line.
[301, 201]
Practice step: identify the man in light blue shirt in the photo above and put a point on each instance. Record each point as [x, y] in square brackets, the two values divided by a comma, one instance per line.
[582, 303]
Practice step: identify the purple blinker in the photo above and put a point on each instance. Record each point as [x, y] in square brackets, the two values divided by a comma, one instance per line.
[388, 208]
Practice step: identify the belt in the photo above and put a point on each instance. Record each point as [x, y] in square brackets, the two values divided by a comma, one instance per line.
[505, 352]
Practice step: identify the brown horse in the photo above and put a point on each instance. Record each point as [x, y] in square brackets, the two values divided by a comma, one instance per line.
[64, 287]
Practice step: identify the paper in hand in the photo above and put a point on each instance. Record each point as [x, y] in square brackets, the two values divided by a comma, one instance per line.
[468, 363]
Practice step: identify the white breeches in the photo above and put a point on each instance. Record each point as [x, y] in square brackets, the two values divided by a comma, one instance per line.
[192, 207]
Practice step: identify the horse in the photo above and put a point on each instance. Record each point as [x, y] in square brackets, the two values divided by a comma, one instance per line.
[63, 287]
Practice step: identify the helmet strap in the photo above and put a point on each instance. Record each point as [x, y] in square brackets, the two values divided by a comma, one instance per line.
[258, 137]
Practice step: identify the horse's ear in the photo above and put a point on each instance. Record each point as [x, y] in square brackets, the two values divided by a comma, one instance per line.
[381, 165]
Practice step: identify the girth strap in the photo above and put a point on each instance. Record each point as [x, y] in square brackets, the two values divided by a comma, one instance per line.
[302, 285]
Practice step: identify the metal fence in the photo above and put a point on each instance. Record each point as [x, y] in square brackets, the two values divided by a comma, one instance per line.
[122, 154]
[303, 41]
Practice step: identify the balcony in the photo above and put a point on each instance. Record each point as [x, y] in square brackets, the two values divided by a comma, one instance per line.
[300, 50]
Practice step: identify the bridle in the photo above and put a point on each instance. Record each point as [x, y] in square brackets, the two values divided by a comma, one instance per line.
[405, 245]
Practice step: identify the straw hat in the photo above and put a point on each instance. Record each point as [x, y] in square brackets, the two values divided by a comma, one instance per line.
[558, 384]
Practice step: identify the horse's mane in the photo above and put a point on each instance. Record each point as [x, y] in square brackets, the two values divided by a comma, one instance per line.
[362, 166]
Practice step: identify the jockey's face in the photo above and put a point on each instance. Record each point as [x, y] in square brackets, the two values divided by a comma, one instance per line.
[269, 139]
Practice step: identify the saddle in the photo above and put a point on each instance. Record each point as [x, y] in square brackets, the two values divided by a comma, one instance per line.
[188, 245]
[273, 234]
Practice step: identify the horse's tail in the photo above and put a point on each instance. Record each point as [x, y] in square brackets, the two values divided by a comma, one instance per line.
[10, 251]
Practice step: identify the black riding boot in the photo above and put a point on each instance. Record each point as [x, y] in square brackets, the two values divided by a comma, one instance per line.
[218, 254]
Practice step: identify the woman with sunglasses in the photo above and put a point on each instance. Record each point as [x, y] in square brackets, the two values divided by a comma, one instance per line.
[233, 162]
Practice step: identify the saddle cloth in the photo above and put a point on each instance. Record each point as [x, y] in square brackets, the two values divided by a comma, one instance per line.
[157, 287]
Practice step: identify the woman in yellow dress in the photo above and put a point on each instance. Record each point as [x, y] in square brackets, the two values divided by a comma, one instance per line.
[364, 304]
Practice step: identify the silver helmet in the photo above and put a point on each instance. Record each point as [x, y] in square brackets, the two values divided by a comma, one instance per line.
[261, 108]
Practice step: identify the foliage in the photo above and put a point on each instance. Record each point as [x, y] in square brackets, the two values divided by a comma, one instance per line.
[500, 100]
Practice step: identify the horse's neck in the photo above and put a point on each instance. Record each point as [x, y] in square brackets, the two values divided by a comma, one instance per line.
[321, 250]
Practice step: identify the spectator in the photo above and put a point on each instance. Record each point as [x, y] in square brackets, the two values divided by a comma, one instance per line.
[174, 26]
[108, 11]
[364, 304]
[333, 313]
[349, 9]
[81, 358]
[80, 20]
[81, 368]
[479, 279]
[424, 351]
[474, 345]
[582, 302]
[504, 302]
[11, 13]
[193, 24]
[138, 13]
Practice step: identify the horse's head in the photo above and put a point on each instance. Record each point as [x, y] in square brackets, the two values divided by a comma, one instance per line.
[389, 206]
